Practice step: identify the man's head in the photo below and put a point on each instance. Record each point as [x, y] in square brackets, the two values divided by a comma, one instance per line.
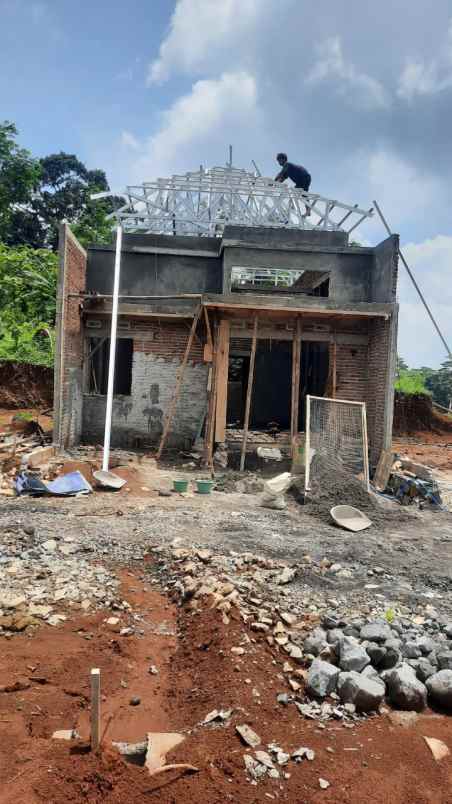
[281, 159]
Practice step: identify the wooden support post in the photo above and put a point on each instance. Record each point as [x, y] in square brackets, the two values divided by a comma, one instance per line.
[222, 359]
[333, 369]
[180, 375]
[95, 709]
[249, 392]
[209, 344]
[295, 403]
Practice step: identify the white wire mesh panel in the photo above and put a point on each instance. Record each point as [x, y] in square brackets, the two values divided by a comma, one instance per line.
[336, 439]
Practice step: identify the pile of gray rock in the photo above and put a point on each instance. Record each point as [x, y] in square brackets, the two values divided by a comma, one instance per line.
[357, 662]
[365, 662]
[41, 577]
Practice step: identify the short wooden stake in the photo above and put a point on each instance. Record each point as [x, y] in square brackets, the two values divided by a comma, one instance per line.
[95, 709]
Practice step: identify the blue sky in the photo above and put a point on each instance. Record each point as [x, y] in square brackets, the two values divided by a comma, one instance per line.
[359, 93]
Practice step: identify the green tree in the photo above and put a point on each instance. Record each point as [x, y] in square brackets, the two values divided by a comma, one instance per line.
[440, 384]
[28, 280]
[19, 177]
[64, 193]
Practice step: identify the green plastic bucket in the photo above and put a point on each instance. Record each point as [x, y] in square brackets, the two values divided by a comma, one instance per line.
[180, 485]
[204, 486]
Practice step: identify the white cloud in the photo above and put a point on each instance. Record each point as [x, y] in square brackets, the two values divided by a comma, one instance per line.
[130, 141]
[198, 29]
[428, 78]
[430, 262]
[355, 86]
[196, 125]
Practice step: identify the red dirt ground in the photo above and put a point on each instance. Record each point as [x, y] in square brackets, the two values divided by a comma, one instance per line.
[430, 448]
[376, 763]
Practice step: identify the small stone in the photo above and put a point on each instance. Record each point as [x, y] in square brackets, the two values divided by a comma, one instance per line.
[264, 758]
[376, 653]
[376, 631]
[286, 576]
[112, 622]
[439, 687]
[324, 785]
[322, 678]
[248, 735]
[365, 693]
[411, 650]
[405, 690]
[296, 653]
[135, 701]
[438, 748]
[64, 734]
[302, 753]
[444, 659]
[283, 698]
[153, 670]
[50, 545]
[288, 619]
[316, 640]
[238, 651]
[351, 655]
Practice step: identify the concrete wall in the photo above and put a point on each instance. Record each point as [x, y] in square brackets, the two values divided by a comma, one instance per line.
[384, 270]
[138, 418]
[153, 274]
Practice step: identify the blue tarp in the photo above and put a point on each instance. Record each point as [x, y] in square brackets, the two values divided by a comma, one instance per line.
[64, 486]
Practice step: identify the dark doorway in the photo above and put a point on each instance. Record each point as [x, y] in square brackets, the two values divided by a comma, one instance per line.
[100, 360]
[272, 389]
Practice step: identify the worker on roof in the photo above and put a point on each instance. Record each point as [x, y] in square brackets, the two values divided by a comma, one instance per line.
[297, 173]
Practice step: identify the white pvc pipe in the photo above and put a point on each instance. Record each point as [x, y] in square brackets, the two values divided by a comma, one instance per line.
[111, 365]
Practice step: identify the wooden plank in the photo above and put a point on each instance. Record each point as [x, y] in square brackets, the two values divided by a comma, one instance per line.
[208, 348]
[180, 375]
[334, 367]
[249, 392]
[383, 470]
[222, 380]
[296, 368]
[95, 709]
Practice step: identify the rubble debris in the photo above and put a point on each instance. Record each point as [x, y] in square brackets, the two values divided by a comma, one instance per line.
[248, 735]
[438, 748]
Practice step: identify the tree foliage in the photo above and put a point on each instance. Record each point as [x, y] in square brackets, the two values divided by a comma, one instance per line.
[28, 279]
[63, 193]
[439, 384]
[19, 177]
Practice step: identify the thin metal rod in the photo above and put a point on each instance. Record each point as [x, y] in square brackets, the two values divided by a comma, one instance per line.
[111, 365]
[410, 274]
[307, 444]
[329, 399]
[365, 446]
[366, 215]
[249, 392]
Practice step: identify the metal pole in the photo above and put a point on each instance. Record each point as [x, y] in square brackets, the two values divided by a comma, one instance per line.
[307, 445]
[410, 274]
[111, 365]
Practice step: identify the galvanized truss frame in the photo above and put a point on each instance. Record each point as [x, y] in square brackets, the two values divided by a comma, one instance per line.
[203, 202]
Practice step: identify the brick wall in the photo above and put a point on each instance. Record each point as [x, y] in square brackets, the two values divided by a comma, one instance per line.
[380, 387]
[351, 372]
[69, 345]
[158, 350]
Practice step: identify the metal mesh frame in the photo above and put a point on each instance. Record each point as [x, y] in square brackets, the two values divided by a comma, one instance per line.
[204, 201]
[337, 429]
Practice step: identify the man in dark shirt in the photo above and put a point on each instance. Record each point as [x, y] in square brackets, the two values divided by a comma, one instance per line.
[297, 173]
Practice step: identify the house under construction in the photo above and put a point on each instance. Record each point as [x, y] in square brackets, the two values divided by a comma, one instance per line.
[219, 270]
